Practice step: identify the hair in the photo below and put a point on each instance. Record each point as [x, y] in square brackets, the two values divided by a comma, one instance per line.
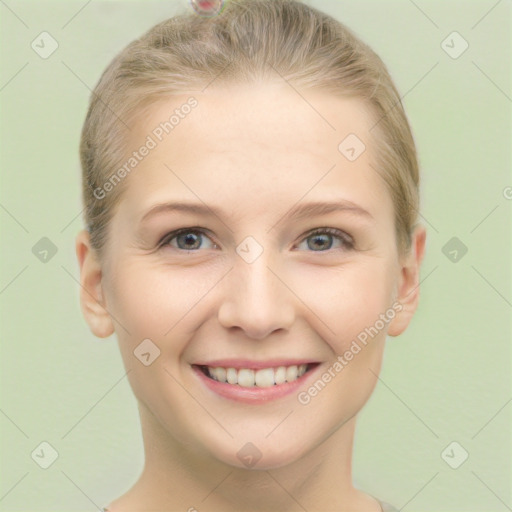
[247, 42]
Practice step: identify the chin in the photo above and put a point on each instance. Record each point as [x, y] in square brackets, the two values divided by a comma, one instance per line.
[260, 456]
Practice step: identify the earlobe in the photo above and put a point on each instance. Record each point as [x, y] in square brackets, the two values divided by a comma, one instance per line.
[92, 298]
[409, 283]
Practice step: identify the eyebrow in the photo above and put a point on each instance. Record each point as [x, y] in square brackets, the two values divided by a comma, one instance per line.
[299, 211]
[318, 208]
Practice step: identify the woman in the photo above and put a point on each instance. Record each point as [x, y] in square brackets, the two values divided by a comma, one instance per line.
[251, 186]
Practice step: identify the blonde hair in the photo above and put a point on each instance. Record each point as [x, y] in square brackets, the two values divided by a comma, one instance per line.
[248, 41]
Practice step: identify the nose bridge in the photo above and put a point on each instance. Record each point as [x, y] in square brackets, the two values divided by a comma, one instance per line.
[258, 279]
[256, 300]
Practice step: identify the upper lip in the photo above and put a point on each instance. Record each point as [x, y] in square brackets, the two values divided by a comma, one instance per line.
[251, 364]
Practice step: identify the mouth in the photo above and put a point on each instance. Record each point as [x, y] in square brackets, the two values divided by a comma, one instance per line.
[247, 383]
[261, 378]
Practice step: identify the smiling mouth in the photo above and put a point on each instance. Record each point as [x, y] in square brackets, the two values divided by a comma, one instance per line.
[262, 378]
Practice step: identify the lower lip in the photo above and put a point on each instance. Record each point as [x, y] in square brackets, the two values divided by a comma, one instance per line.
[254, 394]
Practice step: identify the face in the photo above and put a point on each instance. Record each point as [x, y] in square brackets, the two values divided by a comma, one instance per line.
[261, 262]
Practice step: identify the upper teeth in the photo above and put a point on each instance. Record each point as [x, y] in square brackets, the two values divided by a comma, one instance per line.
[263, 378]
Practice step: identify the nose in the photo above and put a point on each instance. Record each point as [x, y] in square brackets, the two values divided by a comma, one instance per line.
[256, 299]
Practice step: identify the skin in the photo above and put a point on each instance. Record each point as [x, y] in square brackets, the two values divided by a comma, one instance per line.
[254, 152]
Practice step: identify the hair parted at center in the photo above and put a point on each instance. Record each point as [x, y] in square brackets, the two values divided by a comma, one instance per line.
[249, 41]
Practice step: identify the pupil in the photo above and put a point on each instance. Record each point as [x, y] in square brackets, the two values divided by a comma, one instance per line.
[190, 240]
[321, 242]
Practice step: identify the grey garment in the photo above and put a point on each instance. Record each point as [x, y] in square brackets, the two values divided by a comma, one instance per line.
[386, 507]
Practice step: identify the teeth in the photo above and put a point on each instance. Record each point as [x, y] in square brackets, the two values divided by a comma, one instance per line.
[291, 373]
[232, 376]
[264, 378]
[246, 378]
[280, 375]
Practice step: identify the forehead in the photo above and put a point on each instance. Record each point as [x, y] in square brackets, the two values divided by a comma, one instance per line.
[247, 140]
[263, 115]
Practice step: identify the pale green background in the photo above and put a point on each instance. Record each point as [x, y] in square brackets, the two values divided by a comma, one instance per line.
[442, 381]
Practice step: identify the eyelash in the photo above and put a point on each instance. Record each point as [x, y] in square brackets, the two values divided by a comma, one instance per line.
[346, 240]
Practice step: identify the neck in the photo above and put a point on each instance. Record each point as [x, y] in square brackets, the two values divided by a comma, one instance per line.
[178, 477]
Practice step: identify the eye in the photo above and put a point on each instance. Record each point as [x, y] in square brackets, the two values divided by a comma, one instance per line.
[187, 240]
[319, 240]
[323, 239]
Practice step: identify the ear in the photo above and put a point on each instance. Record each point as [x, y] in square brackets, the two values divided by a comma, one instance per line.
[92, 297]
[409, 282]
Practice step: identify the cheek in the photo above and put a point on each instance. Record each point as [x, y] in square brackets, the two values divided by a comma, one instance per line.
[156, 303]
[349, 300]
[152, 301]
